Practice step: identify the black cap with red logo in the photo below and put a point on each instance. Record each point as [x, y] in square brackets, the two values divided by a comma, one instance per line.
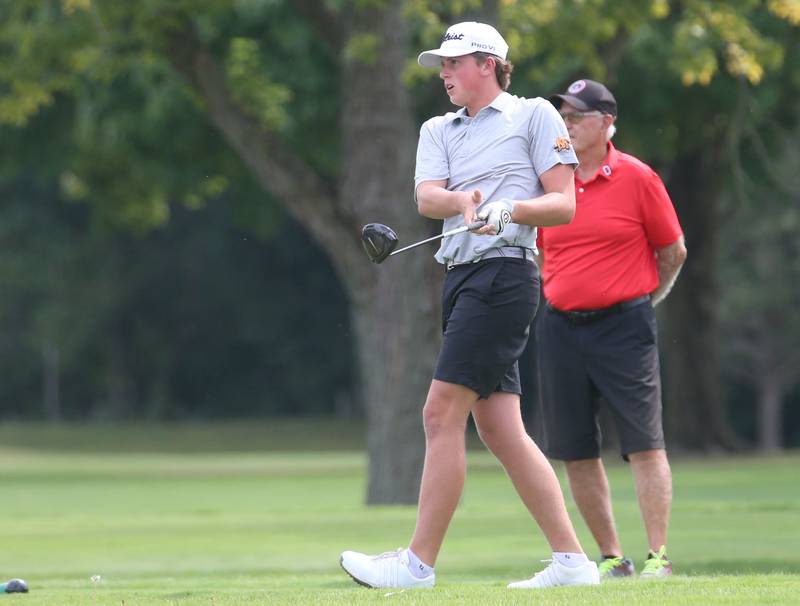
[587, 95]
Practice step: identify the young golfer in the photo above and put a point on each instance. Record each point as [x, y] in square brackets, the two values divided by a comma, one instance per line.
[506, 160]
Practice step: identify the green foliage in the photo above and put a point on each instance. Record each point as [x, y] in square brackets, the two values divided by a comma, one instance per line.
[133, 119]
[264, 99]
[709, 35]
[362, 47]
[707, 39]
[111, 63]
[42, 56]
[786, 9]
[701, 38]
[674, 67]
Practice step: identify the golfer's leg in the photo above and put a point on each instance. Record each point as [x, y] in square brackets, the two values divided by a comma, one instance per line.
[500, 427]
[653, 478]
[589, 485]
[445, 419]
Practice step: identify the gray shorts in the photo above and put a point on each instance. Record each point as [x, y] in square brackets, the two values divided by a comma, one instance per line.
[615, 358]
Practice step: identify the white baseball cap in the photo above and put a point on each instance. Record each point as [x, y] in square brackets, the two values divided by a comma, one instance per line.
[463, 39]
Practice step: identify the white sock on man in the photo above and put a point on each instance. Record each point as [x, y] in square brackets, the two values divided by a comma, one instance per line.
[417, 567]
[570, 560]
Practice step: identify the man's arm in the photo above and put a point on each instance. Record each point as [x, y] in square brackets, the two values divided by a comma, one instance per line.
[669, 261]
[435, 201]
[555, 207]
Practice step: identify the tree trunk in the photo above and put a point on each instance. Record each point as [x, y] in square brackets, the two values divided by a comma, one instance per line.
[51, 382]
[395, 308]
[770, 426]
[694, 411]
[119, 385]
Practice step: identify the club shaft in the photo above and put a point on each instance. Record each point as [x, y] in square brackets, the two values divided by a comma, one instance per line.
[452, 232]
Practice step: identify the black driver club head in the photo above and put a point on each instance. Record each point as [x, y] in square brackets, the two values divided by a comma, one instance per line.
[378, 241]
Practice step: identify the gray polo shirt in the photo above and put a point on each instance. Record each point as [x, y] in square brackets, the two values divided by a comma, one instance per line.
[501, 152]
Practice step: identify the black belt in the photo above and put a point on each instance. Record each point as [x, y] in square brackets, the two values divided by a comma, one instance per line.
[515, 252]
[590, 315]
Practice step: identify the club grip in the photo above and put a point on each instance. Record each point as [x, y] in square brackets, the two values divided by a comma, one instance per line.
[476, 225]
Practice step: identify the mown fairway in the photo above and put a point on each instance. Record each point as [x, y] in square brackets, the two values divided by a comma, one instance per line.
[224, 526]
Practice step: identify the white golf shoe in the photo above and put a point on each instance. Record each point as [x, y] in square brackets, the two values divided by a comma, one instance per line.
[556, 575]
[384, 571]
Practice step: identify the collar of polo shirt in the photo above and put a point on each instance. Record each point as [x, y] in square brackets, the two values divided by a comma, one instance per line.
[500, 103]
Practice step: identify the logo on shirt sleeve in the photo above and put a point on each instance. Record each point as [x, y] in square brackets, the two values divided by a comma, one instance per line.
[562, 144]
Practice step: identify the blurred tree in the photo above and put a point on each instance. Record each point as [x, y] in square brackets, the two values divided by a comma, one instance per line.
[759, 262]
[267, 76]
[314, 97]
[180, 322]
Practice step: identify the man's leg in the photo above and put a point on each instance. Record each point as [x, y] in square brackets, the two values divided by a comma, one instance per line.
[500, 426]
[653, 478]
[589, 485]
[445, 418]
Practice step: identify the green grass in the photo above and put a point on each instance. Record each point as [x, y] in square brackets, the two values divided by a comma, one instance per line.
[228, 528]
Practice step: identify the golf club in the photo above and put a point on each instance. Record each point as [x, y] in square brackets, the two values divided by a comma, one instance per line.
[379, 241]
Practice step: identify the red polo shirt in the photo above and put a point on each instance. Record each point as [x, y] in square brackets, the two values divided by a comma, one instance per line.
[606, 254]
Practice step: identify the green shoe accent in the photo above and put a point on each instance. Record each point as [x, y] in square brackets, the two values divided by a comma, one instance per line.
[614, 567]
[657, 564]
[607, 565]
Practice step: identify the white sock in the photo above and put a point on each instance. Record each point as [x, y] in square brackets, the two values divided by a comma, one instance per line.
[570, 560]
[417, 567]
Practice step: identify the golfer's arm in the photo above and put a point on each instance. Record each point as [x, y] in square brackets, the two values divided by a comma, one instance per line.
[556, 206]
[669, 261]
[436, 202]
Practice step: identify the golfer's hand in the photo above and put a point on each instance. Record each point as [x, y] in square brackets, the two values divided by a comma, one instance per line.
[497, 215]
[472, 200]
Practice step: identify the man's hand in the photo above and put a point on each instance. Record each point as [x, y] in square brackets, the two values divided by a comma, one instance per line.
[669, 260]
[497, 215]
[470, 203]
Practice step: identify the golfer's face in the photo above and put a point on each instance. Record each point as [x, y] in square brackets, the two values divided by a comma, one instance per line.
[586, 128]
[461, 76]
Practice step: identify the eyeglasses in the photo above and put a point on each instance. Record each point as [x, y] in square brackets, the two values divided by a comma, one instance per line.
[576, 117]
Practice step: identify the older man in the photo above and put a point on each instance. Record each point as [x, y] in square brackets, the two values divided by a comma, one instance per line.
[602, 275]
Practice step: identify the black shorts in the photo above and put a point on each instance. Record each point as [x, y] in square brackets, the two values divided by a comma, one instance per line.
[614, 358]
[487, 309]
